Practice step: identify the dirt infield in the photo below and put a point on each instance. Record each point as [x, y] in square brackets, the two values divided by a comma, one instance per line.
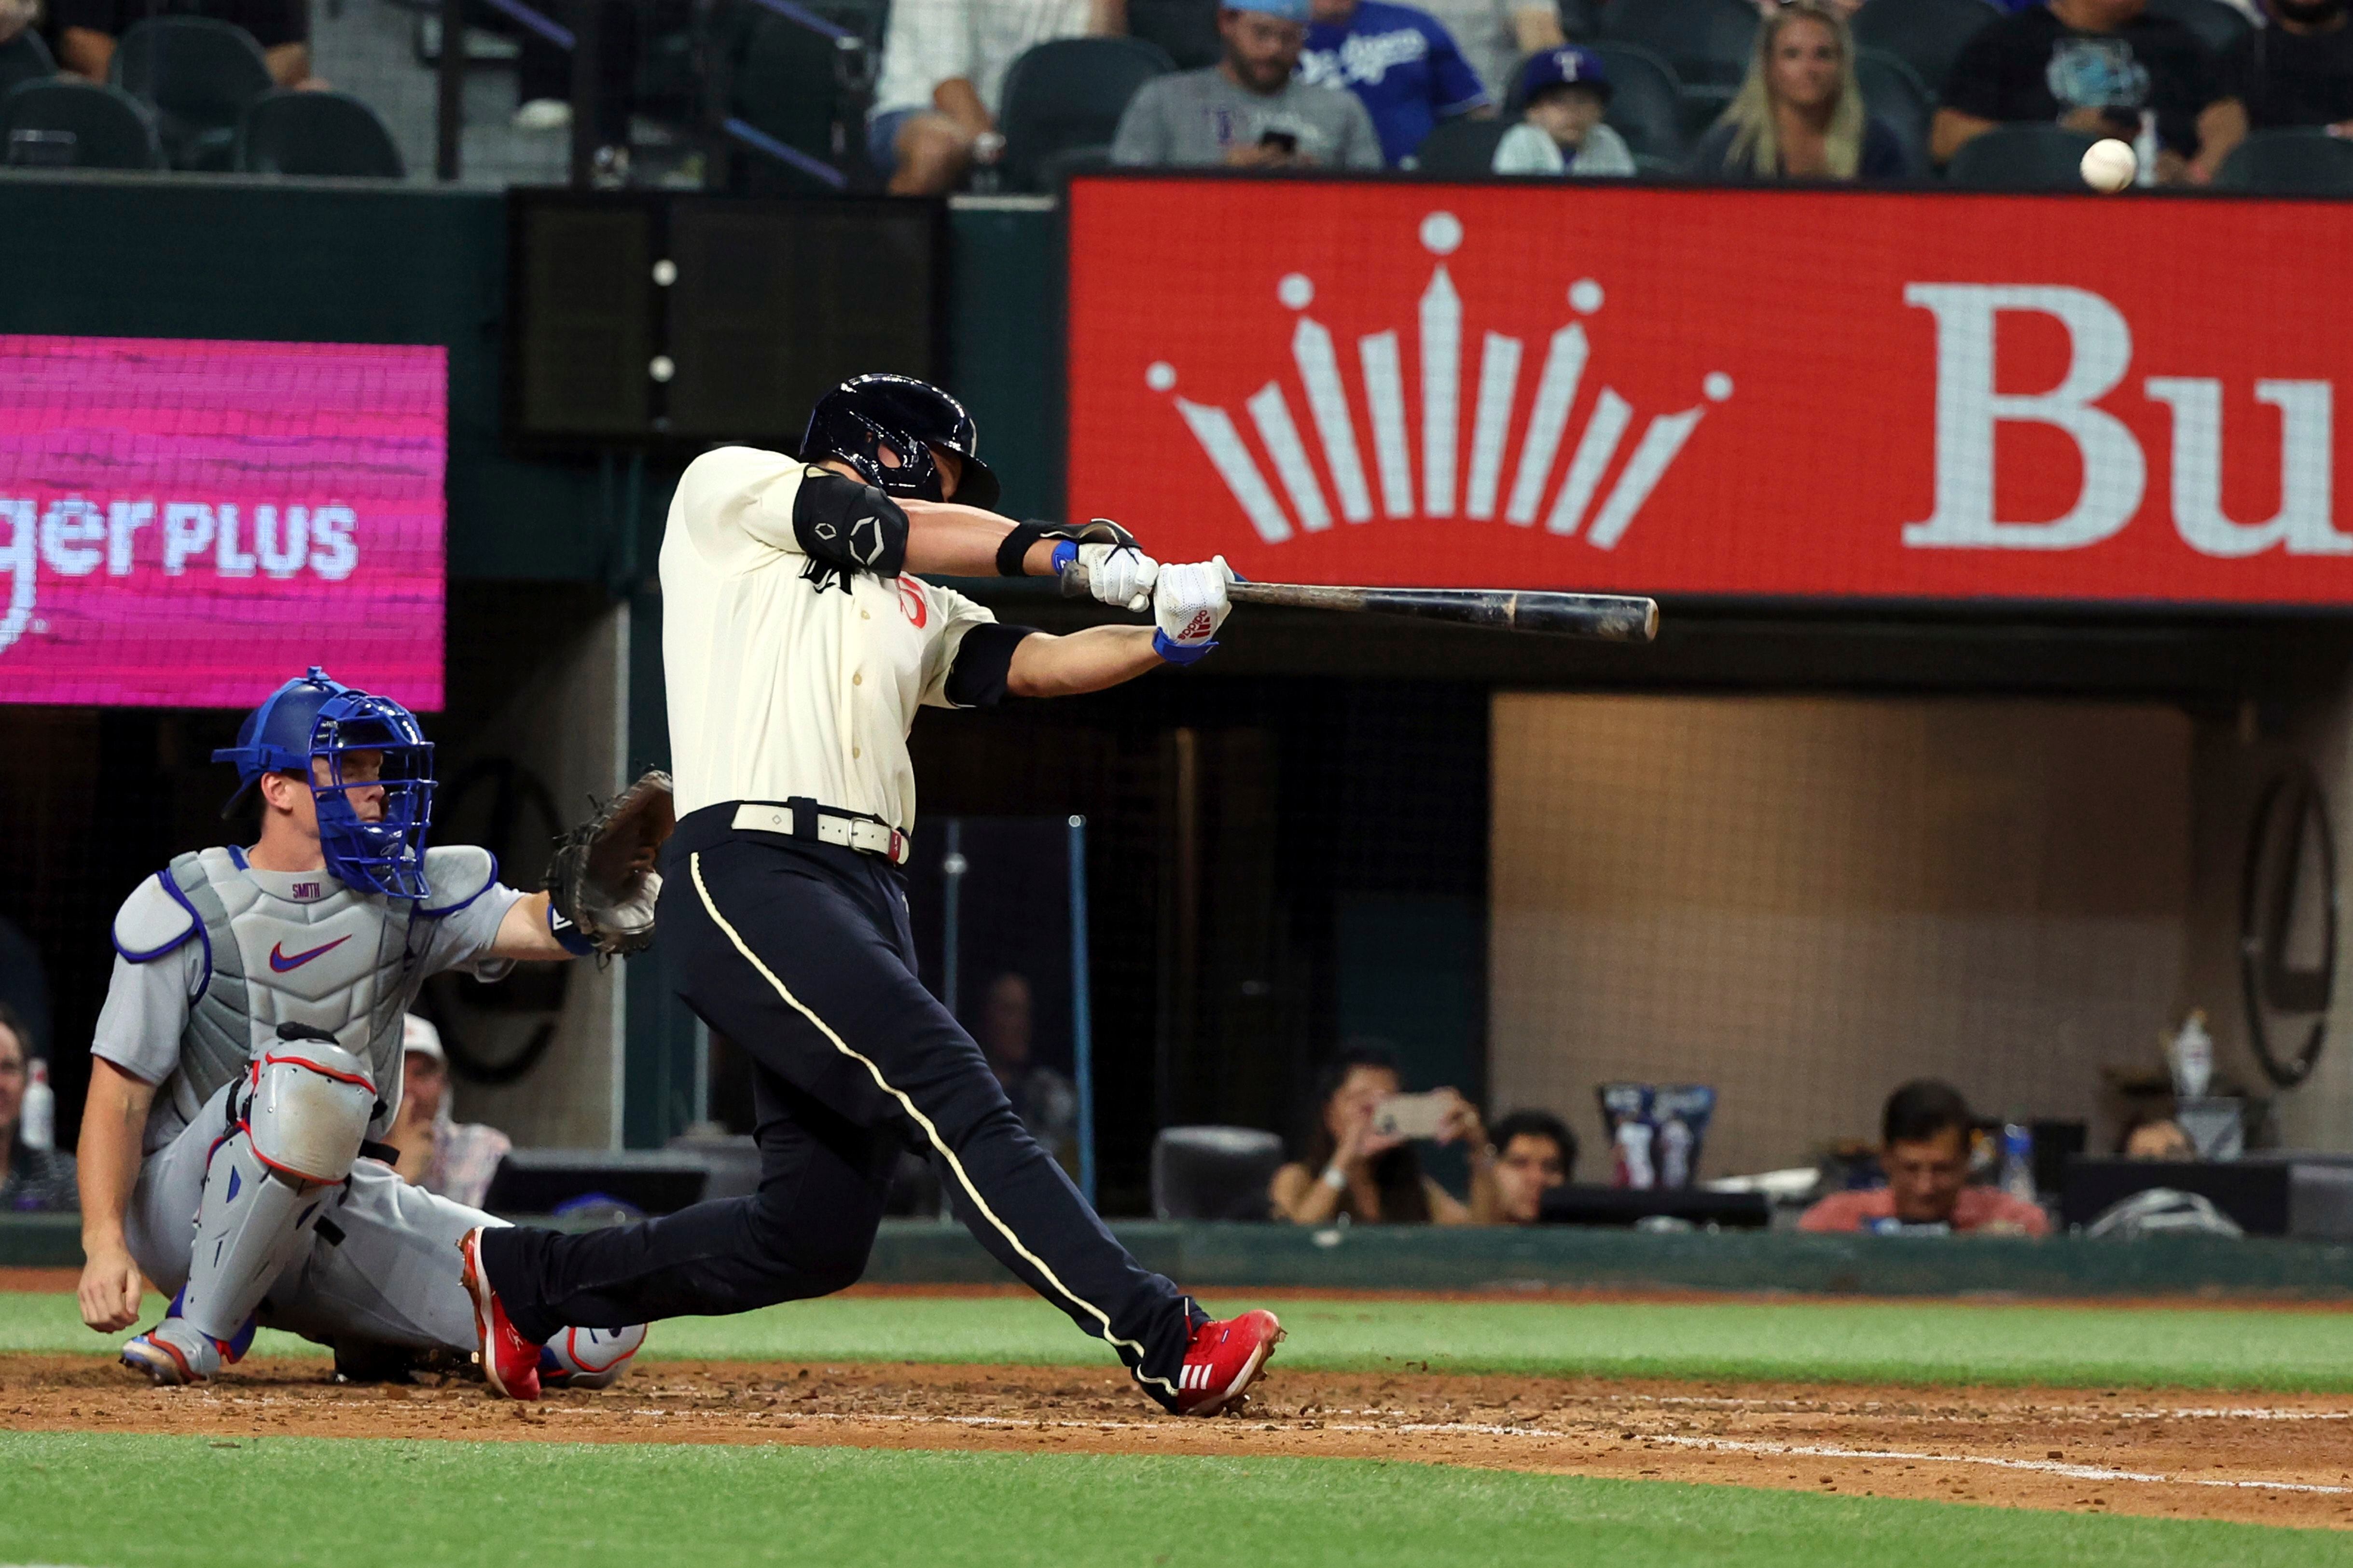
[2284, 1460]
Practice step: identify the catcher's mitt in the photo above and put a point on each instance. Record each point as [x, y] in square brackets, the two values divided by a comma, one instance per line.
[603, 879]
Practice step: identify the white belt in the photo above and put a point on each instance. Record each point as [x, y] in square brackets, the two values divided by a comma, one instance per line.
[857, 833]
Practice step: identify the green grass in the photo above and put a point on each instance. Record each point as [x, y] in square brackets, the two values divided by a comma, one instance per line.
[183, 1502]
[1928, 1342]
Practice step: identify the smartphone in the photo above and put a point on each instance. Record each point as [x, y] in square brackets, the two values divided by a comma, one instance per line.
[1411, 1115]
[1285, 142]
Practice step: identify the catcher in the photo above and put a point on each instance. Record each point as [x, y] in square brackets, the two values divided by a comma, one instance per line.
[248, 1056]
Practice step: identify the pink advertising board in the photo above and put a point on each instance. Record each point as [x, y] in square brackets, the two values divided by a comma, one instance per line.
[188, 525]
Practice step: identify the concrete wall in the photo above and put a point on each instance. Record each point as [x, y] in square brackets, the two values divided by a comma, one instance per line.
[2235, 761]
[1806, 900]
[561, 724]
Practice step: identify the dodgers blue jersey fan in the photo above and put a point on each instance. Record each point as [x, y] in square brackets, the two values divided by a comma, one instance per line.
[1401, 63]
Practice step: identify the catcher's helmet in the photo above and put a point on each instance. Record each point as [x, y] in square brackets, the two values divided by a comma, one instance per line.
[317, 718]
[868, 413]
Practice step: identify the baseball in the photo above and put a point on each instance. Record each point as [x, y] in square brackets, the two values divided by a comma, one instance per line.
[2109, 165]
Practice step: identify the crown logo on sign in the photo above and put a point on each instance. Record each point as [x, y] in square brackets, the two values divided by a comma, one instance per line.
[1382, 392]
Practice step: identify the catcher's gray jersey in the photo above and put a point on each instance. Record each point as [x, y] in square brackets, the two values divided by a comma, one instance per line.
[215, 954]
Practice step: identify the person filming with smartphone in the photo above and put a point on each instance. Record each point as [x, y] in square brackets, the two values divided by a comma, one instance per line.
[1360, 1151]
[1247, 112]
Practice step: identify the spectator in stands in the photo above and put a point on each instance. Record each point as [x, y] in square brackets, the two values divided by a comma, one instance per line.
[2096, 66]
[1047, 1102]
[1800, 114]
[16, 16]
[1371, 1178]
[1924, 1147]
[944, 65]
[31, 1179]
[2296, 69]
[2153, 1137]
[87, 31]
[1494, 36]
[438, 1151]
[1398, 60]
[1535, 1152]
[1247, 112]
[1566, 91]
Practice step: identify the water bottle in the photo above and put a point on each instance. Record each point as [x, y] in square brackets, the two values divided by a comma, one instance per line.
[1634, 1155]
[1674, 1153]
[2146, 147]
[2018, 1161]
[39, 1124]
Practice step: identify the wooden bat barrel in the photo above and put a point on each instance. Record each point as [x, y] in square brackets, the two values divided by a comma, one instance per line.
[1609, 616]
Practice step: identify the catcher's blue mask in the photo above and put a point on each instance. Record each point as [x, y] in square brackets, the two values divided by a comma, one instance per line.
[360, 743]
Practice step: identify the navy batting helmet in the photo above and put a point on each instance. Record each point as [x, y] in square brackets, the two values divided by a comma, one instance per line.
[868, 414]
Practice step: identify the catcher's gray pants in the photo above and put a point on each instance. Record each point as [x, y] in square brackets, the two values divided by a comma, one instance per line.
[383, 1267]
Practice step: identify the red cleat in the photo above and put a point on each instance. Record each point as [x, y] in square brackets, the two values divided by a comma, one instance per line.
[509, 1361]
[1224, 1358]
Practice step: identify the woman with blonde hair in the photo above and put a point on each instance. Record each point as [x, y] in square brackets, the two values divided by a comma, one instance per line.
[1799, 115]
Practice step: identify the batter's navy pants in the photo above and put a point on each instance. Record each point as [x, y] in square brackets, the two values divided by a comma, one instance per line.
[801, 954]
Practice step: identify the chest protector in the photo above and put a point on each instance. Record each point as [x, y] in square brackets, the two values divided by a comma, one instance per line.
[300, 948]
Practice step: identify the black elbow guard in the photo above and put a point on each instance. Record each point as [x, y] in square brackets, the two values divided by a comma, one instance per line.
[843, 526]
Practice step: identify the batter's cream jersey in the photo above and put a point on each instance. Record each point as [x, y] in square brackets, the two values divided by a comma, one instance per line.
[778, 689]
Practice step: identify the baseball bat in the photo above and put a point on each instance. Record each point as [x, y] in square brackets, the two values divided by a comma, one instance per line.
[1609, 616]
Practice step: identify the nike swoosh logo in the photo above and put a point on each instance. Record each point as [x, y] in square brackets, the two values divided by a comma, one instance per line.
[279, 962]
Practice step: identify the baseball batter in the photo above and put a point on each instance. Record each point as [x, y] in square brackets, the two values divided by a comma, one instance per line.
[248, 1057]
[798, 645]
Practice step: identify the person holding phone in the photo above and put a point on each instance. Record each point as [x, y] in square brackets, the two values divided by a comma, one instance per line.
[1249, 111]
[2096, 66]
[1360, 1157]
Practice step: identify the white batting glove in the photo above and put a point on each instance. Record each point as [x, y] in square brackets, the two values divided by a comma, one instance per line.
[1189, 606]
[1119, 574]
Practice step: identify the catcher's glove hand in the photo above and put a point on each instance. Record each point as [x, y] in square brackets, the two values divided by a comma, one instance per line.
[602, 882]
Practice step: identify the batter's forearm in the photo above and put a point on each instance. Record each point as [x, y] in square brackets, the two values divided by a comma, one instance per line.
[113, 1124]
[950, 541]
[1091, 660]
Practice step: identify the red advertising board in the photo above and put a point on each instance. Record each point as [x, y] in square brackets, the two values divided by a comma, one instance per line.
[1771, 393]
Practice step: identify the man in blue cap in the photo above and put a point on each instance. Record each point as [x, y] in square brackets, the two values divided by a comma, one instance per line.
[1247, 112]
[1565, 92]
[248, 1064]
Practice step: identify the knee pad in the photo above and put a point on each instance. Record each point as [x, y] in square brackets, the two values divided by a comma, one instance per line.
[309, 1110]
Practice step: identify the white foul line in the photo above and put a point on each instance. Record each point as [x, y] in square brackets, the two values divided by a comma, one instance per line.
[1445, 1428]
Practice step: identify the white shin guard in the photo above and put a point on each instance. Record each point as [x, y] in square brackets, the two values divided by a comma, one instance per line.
[301, 1119]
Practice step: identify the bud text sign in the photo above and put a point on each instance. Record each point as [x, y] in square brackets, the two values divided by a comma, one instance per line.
[189, 523]
[1745, 393]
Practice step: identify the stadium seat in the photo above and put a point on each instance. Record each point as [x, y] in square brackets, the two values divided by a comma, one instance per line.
[1055, 170]
[1461, 149]
[1185, 29]
[2034, 157]
[2217, 24]
[197, 75]
[1213, 1173]
[1894, 93]
[24, 58]
[1646, 101]
[1926, 35]
[1070, 93]
[1580, 19]
[787, 84]
[2301, 163]
[315, 134]
[110, 128]
[1708, 43]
